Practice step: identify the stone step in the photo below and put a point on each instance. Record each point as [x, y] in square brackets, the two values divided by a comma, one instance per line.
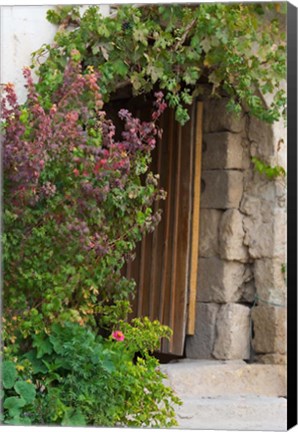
[233, 413]
[212, 378]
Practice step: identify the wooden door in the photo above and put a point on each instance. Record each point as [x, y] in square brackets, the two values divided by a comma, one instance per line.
[165, 267]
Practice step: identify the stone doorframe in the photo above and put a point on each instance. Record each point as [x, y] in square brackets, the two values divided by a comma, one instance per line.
[241, 294]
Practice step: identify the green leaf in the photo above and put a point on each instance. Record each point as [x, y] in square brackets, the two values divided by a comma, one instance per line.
[191, 75]
[80, 258]
[215, 78]
[206, 44]
[72, 418]
[186, 97]
[108, 365]
[95, 49]
[120, 67]
[13, 403]
[181, 115]
[136, 81]
[53, 17]
[155, 73]
[9, 374]
[17, 420]
[140, 35]
[42, 345]
[24, 116]
[37, 365]
[25, 390]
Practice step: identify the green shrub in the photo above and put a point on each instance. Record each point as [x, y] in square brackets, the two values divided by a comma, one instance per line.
[82, 379]
[19, 394]
[75, 204]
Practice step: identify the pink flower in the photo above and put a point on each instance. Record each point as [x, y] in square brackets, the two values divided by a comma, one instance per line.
[72, 116]
[118, 336]
[53, 109]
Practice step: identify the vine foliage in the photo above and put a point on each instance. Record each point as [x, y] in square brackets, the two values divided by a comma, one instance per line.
[238, 49]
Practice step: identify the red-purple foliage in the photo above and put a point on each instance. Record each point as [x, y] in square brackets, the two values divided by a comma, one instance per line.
[67, 181]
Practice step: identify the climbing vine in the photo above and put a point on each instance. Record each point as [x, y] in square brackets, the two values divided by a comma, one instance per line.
[238, 49]
[271, 172]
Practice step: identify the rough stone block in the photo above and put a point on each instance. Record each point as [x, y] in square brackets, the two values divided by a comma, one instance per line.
[223, 150]
[261, 135]
[258, 237]
[217, 118]
[248, 289]
[269, 324]
[280, 233]
[219, 281]
[231, 237]
[263, 198]
[232, 332]
[250, 205]
[270, 280]
[278, 359]
[221, 189]
[266, 239]
[200, 345]
[209, 222]
[248, 292]
[261, 188]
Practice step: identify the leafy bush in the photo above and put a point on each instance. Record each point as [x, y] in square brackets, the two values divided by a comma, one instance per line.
[76, 201]
[20, 395]
[82, 379]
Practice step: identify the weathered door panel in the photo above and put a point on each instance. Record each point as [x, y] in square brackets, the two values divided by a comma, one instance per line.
[164, 259]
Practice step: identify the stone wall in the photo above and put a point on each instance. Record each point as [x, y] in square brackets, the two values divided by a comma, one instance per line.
[241, 294]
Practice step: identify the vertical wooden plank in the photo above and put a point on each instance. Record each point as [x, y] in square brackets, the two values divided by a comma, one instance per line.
[169, 280]
[135, 275]
[195, 221]
[162, 241]
[181, 268]
[154, 288]
[174, 251]
[167, 216]
[143, 294]
[141, 290]
[128, 270]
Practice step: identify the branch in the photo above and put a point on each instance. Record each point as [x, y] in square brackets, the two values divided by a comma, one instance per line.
[187, 30]
[63, 26]
[122, 84]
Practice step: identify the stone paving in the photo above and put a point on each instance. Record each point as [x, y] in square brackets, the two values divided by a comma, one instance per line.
[229, 395]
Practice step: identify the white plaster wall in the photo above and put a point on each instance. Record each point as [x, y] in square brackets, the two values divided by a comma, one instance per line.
[24, 29]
